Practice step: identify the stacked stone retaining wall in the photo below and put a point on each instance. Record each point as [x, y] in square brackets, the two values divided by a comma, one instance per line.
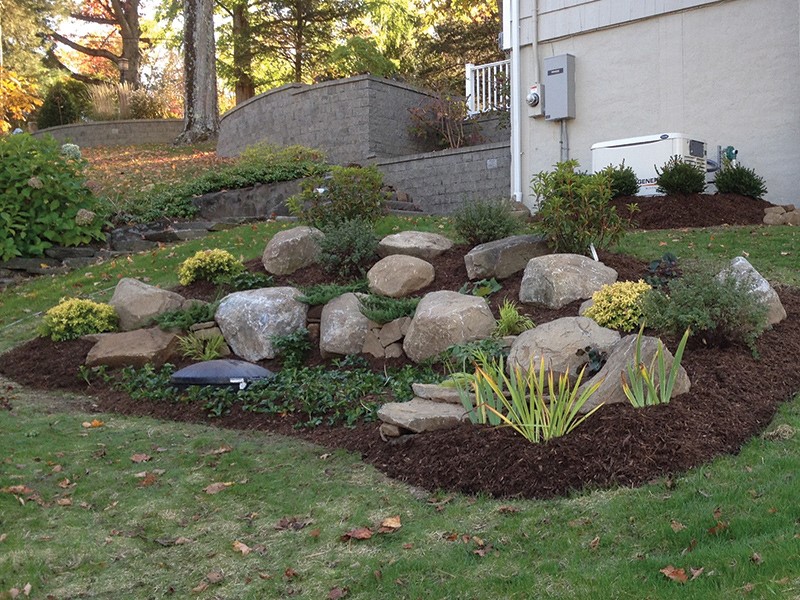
[117, 133]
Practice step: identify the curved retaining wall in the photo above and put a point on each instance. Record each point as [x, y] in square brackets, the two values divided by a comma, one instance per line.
[354, 120]
[117, 133]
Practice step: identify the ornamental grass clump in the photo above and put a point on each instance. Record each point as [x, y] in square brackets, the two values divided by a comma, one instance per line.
[619, 305]
[209, 265]
[649, 386]
[511, 322]
[531, 402]
[75, 317]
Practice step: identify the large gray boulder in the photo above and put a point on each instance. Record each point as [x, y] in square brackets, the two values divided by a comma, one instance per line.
[420, 415]
[502, 258]
[421, 244]
[250, 319]
[558, 279]
[558, 343]
[138, 303]
[399, 275]
[747, 275]
[133, 348]
[445, 318]
[620, 356]
[291, 250]
[343, 328]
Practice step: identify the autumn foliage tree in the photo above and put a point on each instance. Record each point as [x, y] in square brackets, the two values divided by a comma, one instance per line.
[18, 99]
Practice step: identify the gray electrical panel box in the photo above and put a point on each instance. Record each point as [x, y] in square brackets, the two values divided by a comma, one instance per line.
[559, 80]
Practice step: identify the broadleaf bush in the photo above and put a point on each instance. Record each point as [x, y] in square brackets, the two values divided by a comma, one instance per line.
[44, 200]
[344, 194]
[348, 249]
[575, 209]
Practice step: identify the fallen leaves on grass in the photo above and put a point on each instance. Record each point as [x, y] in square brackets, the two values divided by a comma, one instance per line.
[677, 526]
[216, 488]
[594, 544]
[337, 593]
[292, 523]
[26, 591]
[507, 510]
[92, 424]
[221, 450]
[675, 574]
[148, 480]
[390, 525]
[242, 547]
[359, 533]
[140, 458]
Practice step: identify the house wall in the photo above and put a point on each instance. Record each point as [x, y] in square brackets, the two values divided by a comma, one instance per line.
[117, 133]
[441, 182]
[353, 120]
[726, 72]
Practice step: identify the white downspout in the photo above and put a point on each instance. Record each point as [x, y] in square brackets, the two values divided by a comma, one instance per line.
[516, 106]
[518, 180]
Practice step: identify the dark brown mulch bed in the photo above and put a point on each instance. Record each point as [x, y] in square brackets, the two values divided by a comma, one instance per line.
[733, 397]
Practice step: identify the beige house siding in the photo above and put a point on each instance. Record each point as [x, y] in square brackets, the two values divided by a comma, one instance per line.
[726, 72]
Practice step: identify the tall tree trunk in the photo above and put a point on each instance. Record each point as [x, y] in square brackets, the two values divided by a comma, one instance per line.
[127, 15]
[201, 110]
[242, 54]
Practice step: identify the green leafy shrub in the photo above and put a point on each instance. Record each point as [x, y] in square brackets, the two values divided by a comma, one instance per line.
[483, 288]
[209, 265]
[348, 249]
[623, 180]
[574, 209]
[716, 306]
[439, 121]
[740, 180]
[44, 201]
[460, 358]
[201, 348]
[680, 178]
[641, 388]
[662, 270]
[293, 348]
[183, 319]
[485, 221]
[619, 305]
[322, 293]
[262, 163]
[247, 280]
[511, 322]
[382, 309]
[66, 102]
[74, 317]
[344, 194]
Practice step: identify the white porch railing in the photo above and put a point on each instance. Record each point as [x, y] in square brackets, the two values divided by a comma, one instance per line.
[487, 87]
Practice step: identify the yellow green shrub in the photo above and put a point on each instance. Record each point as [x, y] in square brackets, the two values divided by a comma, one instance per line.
[74, 317]
[619, 305]
[209, 265]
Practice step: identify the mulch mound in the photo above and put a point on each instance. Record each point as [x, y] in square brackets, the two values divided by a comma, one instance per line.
[733, 397]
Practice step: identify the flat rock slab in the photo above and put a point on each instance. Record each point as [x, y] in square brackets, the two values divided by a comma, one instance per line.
[437, 393]
[133, 348]
[419, 415]
[503, 258]
[420, 244]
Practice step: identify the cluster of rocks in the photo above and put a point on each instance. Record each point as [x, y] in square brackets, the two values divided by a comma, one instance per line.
[782, 215]
[249, 320]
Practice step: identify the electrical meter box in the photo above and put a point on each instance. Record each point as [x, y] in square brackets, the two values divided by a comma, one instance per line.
[646, 153]
[559, 79]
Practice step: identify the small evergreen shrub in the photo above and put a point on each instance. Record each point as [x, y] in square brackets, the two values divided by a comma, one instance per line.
[623, 180]
[348, 249]
[66, 102]
[247, 280]
[322, 293]
[619, 305]
[43, 199]
[74, 317]
[345, 194]
[740, 180]
[382, 309]
[144, 104]
[719, 308]
[209, 265]
[574, 209]
[679, 178]
[485, 221]
[184, 318]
